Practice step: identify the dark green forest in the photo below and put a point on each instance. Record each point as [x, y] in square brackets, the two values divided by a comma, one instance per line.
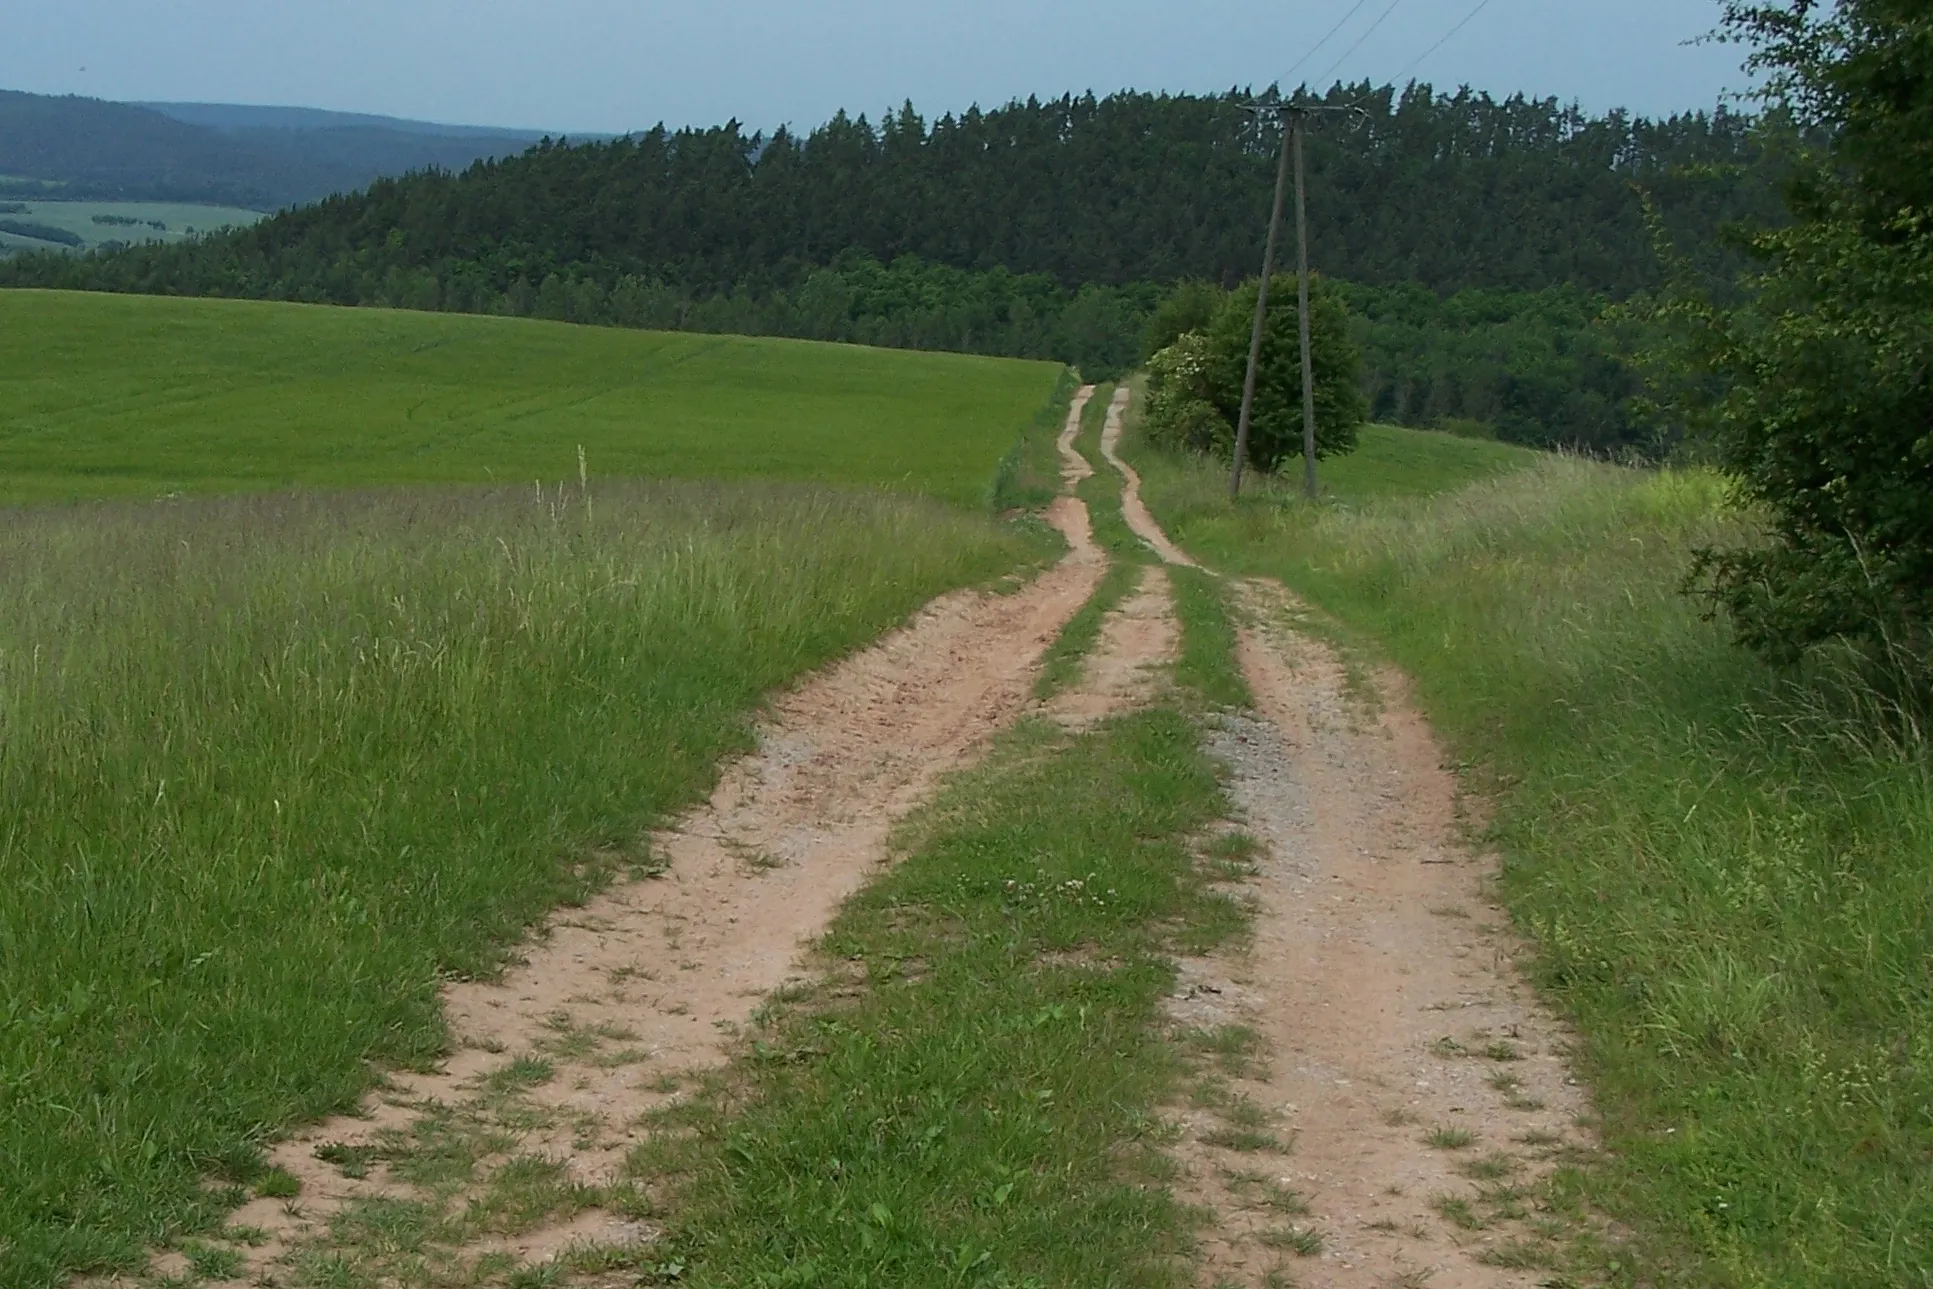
[1046, 229]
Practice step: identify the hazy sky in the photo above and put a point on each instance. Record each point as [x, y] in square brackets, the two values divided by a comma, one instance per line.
[613, 65]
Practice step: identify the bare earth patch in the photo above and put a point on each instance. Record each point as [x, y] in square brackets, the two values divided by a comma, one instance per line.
[1410, 1088]
[1138, 643]
[1133, 509]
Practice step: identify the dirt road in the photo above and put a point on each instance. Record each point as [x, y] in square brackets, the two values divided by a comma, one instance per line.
[619, 1003]
[1403, 1062]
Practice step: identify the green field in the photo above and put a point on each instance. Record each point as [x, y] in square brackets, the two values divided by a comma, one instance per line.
[1727, 870]
[272, 765]
[140, 396]
[179, 221]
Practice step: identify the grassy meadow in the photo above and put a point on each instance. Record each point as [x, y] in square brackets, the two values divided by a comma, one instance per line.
[1727, 871]
[142, 396]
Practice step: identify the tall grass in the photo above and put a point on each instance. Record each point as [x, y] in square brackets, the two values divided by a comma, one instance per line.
[1727, 871]
[272, 767]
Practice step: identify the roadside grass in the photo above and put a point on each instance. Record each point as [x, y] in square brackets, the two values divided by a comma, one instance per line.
[141, 396]
[273, 766]
[972, 1098]
[1727, 871]
[1028, 476]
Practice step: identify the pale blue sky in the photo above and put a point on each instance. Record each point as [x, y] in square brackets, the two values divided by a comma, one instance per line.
[613, 65]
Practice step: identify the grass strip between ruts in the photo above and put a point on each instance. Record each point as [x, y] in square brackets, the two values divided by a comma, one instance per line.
[1062, 663]
[971, 1098]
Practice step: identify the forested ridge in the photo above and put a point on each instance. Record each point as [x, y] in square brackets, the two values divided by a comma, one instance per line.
[1040, 228]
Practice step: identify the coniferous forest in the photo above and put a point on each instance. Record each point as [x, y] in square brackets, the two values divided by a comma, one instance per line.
[1476, 240]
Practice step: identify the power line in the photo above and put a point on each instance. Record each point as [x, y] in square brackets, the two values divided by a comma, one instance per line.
[1313, 49]
[1370, 31]
[1467, 18]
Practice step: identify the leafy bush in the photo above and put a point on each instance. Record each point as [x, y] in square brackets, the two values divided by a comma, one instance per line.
[1195, 382]
[1191, 306]
[1815, 389]
[1275, 434]
[1179, 413]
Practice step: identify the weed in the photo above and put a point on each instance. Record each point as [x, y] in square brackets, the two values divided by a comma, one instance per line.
[1490, 1168]
[1520, 1255]
[1301, 1240]
[1449, 1138]
[1459, 1211]
[520, 1075]
[278, 1183]
[351, 1161]
[1245, 1140]
[213, 1263]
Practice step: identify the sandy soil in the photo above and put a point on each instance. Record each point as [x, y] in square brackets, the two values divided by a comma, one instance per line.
[1133, 509]
[1139, 642]
[1382, 983]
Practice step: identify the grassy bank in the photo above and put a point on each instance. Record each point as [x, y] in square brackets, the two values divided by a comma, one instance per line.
[271, 766]
[1727, 872]
[125, 395]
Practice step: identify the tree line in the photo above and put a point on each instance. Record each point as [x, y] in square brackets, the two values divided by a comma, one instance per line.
[1043, 229]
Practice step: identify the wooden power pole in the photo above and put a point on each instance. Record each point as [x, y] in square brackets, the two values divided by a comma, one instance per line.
[1247, 417]
[1302, 317]
[1294, 118]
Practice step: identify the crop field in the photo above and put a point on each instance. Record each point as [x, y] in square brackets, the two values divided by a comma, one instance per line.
[96, 223]
[1725, 868]
[138, 396]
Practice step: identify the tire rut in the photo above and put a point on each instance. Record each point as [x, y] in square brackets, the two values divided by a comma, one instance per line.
[615, 1005]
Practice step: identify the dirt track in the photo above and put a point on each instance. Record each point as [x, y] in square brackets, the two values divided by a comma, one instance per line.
[1379, 976]
[627, 996]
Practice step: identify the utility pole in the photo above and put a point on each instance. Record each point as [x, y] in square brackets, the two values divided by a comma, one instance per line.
[1302, 317]
[1294, 118]
[1246, 419]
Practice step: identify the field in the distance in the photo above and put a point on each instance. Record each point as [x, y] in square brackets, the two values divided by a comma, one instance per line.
[141, 396]
[177, 221]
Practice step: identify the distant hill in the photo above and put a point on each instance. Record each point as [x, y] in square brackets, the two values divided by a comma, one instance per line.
[261, 158]
[242, 118]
